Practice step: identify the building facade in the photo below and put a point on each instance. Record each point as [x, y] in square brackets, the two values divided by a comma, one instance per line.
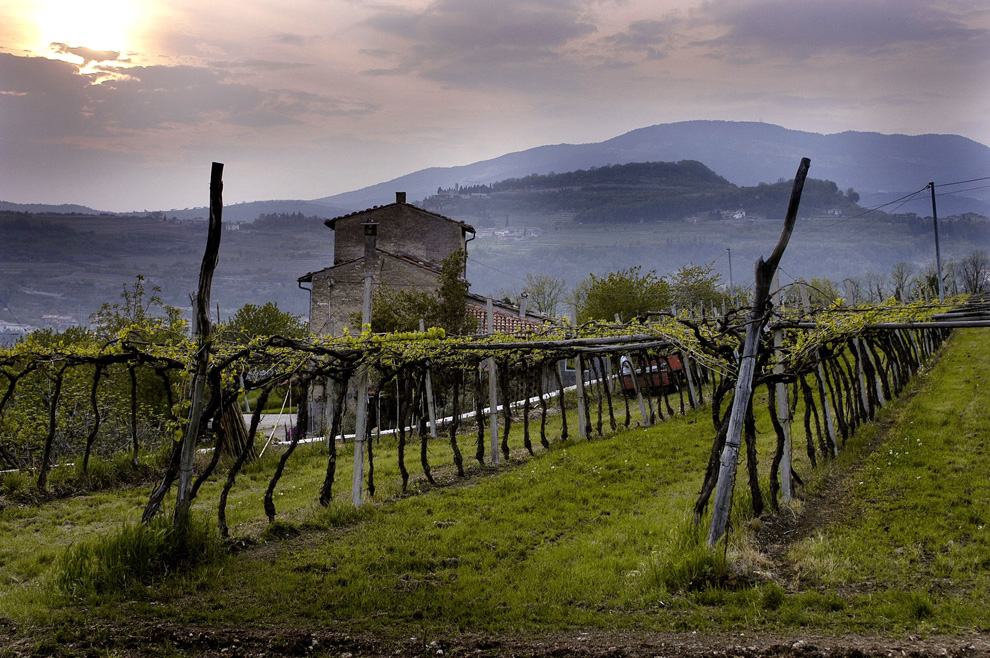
[407, 252]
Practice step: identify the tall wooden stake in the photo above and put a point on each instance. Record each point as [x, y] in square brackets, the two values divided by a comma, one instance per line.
[492, 389]
[755, 322]
[204, 332]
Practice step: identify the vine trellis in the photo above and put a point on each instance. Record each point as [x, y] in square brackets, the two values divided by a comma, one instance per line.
[838, 363]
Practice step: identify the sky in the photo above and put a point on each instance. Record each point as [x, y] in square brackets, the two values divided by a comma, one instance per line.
[123, 104]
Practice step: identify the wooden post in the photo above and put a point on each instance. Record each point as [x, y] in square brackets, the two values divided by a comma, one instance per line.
[579, 382]
[755, 322]
[430, 403]
[361, 424]
[204, 330]
[861, 374]
[692, 392]
[878, 386]
[826, 403]
[492, 390]
[783, 410]
[639, 394]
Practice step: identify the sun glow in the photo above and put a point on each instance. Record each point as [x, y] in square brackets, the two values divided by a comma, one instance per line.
[99, 25]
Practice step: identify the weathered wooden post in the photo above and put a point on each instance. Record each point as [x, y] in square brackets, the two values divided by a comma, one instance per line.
[204, 331]
[361, 424]
[430, 402]
[747, 364]
[783, 410]
[579, 382]
[492, 389]
[692, 392]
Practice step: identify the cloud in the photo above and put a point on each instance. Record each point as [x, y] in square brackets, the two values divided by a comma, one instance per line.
[87, 54]
[50, 101]
[801, 30]
[516, 43]
[259, 65]
[291, 39]
[648, 36]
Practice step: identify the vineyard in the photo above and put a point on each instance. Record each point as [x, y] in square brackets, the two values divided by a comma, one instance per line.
[148, 382]
[839, 364]
[424, 411]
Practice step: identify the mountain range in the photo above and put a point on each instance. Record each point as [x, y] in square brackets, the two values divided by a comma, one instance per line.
[879, 167]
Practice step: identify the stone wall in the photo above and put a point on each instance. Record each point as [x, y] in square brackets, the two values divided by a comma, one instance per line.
[338, 293]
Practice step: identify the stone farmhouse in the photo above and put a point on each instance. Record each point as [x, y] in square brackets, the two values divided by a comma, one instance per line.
[404, 246]
[406, 252]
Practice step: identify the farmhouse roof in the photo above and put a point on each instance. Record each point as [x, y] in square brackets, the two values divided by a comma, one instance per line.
[400, 200]
[507, 319]
[308, 277]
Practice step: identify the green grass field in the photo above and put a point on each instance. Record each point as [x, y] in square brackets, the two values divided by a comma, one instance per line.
[891, 538]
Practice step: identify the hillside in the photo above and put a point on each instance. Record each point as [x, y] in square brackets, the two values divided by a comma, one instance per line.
[632, 193]
[68, 265]
[745, 153]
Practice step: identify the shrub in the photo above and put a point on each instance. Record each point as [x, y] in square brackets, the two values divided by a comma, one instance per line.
[772, 596]
[688, 563]
[136, 554]
[14, 483]
[338, 513]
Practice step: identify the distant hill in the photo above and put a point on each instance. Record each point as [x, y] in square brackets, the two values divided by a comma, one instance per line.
[633, 193]
[238, 212]
[248, 212]
[62, 209]
[745, 153]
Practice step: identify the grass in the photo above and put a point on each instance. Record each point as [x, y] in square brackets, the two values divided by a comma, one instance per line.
[590, 534]
[135, 555]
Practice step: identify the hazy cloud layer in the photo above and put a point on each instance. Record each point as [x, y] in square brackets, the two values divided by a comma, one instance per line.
[514, 43]
[345, 93]
[52, 99]
[801, 30]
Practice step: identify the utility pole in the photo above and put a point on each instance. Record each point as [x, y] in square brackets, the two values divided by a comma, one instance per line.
[938, 254]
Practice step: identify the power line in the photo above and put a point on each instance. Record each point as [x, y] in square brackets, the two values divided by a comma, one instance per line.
[516, 276]
[962, 182]
[968, 189]
[11, 311]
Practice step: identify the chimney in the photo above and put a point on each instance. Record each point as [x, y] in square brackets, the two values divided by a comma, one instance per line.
[400, 197]
[523, 298]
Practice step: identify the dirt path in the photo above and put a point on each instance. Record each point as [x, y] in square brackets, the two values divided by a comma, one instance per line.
[153, 639]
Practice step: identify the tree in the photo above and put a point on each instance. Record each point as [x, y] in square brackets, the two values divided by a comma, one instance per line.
[926, 283]
[140, 312]
[696, 284]
[626, 293]
[822, 293]
[972, 271]
[394, 309]
[875, 286]
[251, 321]
[545, 292]
[900, 279]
